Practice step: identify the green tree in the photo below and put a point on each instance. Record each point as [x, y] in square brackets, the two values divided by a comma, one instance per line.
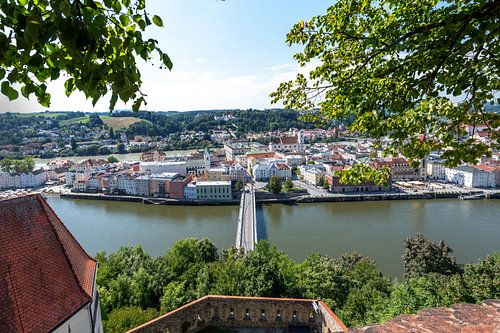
[73, 144]
[111, 133]
[403, 71]
[112, 159]
[274, 185]
[288, 184]
[6, 165]
[121, 148]
[321, 181]
[421, 257]
[123, 319]
[94, 43]
[362, 173]
[262, 275]
[238, 185]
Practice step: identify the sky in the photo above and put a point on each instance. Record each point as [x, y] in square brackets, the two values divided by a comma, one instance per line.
[227, 55]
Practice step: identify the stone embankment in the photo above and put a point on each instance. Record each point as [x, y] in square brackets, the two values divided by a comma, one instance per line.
[287, 198]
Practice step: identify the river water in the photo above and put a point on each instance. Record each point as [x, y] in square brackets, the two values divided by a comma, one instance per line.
[375, 229]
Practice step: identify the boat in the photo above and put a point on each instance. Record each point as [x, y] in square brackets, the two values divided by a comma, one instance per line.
[472, 197]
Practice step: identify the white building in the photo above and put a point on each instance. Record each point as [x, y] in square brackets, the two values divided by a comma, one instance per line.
[470, 177]
[262, 171]
[142, 185]
[312, 176]
[436, 170]
[85, 169]
[214, 190]
[32, 179]
[166, 166]
[126, 184]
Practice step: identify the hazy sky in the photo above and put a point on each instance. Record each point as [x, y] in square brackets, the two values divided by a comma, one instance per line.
[226, 54]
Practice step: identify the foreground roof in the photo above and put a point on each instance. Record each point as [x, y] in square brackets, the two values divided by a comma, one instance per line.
[45, 275]
[484, 318]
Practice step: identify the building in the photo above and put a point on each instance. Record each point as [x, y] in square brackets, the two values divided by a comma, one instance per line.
[80, 185]
[288, 143]
[435, 170]
[401, 170]
[162, 167]
[190, 191]
[175, 187]
[495, 169]
[142, 186]
[237, 148]
[264, 171]
[470, 177]
[158, 183]
[152, 156]
[85, 169]
[214, 190]
[312, 175]
[48, 280]
[126, 183]
[32, 179]
[206, 159]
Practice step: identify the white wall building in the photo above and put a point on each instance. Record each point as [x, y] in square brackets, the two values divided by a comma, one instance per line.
[32, 179]
[262, 171]
[436, 170]
[142, 185]
[162, 167]
[470, 177]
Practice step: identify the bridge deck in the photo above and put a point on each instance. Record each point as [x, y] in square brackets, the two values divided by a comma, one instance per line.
[246, 236]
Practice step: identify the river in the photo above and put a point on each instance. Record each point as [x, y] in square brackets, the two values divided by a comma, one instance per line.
[375, 229]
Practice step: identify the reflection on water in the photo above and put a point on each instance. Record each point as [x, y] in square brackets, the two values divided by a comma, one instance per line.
[374, 229]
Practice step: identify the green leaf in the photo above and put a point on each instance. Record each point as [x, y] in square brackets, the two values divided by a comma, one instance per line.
[4, 88]
[166, 60]
[157, 21]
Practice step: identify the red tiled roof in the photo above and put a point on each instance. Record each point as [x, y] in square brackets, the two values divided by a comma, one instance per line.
[458, 318]
[484, 167]
[45, 275]
[287, 140]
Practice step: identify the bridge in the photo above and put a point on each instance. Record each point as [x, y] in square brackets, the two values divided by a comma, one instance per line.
[246, 236]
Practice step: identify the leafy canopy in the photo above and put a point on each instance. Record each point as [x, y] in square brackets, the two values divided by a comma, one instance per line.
[398, 67]
[93, 43]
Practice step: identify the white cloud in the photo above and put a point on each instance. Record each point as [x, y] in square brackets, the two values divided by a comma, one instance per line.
[179, 90]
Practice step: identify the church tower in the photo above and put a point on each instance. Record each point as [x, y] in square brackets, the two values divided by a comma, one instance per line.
[206, 158]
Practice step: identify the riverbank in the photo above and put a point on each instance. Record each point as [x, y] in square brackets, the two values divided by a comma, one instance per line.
[288, 199]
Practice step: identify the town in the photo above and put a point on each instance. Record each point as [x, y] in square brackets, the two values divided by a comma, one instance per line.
[293, 163]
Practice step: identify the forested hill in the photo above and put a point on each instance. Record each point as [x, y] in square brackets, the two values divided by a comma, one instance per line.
[161, 123]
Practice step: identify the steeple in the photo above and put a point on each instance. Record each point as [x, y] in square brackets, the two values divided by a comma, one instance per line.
[206, 158]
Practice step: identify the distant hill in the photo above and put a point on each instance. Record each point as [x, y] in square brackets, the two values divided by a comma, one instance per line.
[120, 122]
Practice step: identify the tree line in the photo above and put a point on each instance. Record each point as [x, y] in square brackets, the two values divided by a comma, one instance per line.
[18, 166]
[135, 287]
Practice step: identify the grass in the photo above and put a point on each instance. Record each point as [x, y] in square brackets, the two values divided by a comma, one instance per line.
[76, 120]
[119, 122]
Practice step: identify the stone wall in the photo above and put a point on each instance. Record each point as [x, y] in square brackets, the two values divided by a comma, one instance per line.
[251, 312]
